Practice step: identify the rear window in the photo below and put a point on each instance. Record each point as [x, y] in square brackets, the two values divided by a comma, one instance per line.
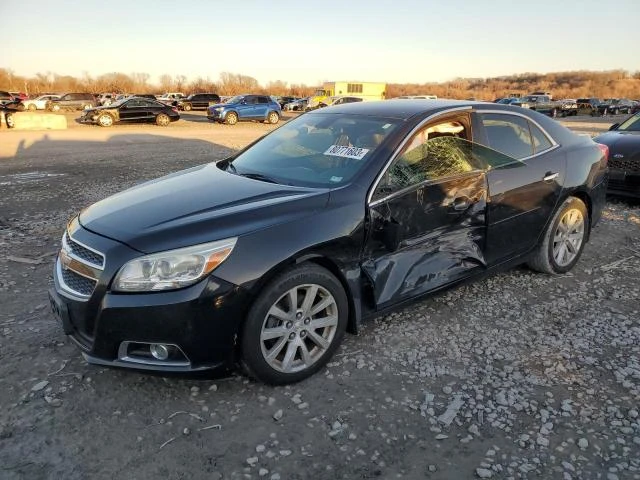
[508, 134]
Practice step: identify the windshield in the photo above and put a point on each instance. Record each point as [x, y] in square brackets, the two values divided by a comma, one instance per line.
[315, 150]
[631, 124]
[235, 99]
[118, 103]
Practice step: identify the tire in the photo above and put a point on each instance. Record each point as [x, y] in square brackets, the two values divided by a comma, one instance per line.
[55, 107]
[186, 107]
[231, 118]
[554, 113]
[273, 118]
[277, 346]
[554, 255]
[105, 120]
[162, 120]
[616, 112]
[8, 118]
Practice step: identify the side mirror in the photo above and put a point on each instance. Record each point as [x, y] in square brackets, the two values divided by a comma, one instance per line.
[614, 126]
[243, 102]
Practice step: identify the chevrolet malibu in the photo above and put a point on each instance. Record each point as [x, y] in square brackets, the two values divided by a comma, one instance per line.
[265, 259]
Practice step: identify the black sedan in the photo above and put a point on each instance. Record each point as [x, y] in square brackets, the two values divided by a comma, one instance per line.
[623, 140]
[132, 109]
[266, 258]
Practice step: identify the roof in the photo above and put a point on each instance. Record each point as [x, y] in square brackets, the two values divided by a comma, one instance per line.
[403, 108]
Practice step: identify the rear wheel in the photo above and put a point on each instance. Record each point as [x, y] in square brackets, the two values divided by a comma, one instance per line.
[231, 118]
[563, 240]
[554, 113]
[294, 326]
[105, 120]
[55, 107]
[8, 118]
[273, 118]
[163, 120]
[32, 107]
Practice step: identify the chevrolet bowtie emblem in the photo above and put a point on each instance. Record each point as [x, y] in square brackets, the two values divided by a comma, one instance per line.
[69, 263]
[618, 155]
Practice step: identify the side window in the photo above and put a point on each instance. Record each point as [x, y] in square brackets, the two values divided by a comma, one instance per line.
[508, 134]
[250, 100]
[437, 151]
[263, 100]
[540, 140]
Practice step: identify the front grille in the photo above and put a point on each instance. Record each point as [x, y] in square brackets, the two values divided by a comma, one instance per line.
[626, 164]
[78, 283]
[84, 253]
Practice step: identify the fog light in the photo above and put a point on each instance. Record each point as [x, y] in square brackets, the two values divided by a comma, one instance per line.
[159, 351]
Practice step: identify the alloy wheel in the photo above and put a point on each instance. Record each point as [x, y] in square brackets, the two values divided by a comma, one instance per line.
[299, 328]
[568, 237]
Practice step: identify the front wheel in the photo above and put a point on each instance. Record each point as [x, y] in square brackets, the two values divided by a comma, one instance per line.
[55, 108]
[294, 326]
[273, 118]
[554, 113]
[231, 118]
[105, 120]
[563, 240]
[186, 107]
[163, 120]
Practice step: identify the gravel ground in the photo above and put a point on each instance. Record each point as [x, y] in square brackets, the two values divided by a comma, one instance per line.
[521, 375]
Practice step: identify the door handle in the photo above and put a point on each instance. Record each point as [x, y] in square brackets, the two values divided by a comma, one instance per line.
[549, 176]
[460, 204]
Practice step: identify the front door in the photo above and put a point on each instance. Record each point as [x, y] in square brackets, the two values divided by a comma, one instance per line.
[134, 110]
[427, 214]
[522, 193]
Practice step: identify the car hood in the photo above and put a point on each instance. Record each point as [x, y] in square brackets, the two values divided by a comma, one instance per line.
[620, 141]
[197, 205]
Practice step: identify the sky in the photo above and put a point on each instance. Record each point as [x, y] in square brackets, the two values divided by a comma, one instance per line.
[407, 41]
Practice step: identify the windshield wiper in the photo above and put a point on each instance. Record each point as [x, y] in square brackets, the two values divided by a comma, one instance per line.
[258, 176]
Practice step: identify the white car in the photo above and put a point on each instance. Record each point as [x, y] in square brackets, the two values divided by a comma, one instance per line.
[38, 103]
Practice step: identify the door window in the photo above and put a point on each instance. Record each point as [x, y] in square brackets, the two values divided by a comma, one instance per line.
[540, 141]
[263, 100]
[437, 151]
[508, 134]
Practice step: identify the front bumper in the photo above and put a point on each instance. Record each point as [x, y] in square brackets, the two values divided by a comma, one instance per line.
[199, 323]
[215, 115]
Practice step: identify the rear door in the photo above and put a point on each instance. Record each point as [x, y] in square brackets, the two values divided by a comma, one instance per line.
[522, 193]
[426, 214]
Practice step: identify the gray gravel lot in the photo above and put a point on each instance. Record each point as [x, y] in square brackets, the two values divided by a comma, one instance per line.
[521, 375]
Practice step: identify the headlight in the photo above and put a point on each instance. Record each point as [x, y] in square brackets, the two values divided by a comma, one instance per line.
[172, 269]
[219, 109]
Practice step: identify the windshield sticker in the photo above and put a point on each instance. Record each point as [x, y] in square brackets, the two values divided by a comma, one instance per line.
[386, 125]
[336, 179]
[347, 152]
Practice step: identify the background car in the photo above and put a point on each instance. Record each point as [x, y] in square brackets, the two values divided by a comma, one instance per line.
[38, 103]
[297, 105]
[132, 109]
[588, 106]
[338, 100]
[198, 101]
[245, 107]
[619, 106]
[623, 140]
[5, 97]
[72, 101]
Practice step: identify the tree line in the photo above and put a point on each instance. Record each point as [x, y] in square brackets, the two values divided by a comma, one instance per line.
[575, 84]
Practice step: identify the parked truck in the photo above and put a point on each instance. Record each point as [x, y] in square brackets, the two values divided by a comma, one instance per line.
[541, 103]
[363, 90]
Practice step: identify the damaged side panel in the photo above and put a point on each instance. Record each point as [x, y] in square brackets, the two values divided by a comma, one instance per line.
[426, 238]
